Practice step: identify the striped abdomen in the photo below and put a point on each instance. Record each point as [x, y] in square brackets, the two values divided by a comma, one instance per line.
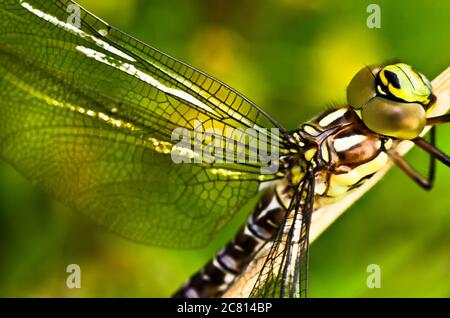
[218, 274]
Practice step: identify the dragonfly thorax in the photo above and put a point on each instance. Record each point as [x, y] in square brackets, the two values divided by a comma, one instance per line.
[342, 150]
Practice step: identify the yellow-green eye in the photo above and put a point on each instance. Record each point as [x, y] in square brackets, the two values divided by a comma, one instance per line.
[392, 99]
[362, 87]
[401, 82]
[394, 119]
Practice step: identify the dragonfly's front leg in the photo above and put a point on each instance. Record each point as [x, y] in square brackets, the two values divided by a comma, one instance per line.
[426, 183]
[430, 147]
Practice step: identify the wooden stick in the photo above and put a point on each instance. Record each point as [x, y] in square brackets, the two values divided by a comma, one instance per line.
[323, 217]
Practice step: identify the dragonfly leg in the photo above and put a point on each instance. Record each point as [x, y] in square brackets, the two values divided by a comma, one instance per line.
[431, 148]
[438, 120]
[426, 183]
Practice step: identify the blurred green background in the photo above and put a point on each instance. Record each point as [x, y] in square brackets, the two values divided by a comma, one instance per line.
[293, 58]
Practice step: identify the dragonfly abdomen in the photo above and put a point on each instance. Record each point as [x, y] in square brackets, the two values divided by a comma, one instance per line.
[219, 273]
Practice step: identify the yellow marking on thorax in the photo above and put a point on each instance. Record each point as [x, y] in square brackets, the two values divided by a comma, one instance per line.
[309, 154]
[339, 183]
[324, 153]
[328, 119]
[311, 130]
[297, 175]
[388, 144]
[346, 143]
[320, 187]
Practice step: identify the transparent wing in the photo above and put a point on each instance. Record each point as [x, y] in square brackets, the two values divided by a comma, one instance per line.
[87, 112]
[285, 270]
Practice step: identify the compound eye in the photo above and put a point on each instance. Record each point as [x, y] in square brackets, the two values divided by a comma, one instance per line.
[392, 79]
[362, 87]
[402, 82]
[394, 119]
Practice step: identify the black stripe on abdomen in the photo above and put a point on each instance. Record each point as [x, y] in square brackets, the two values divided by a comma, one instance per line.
[218, 274]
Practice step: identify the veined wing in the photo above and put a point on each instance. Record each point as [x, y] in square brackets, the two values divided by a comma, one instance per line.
[285, 270]
[88, 113]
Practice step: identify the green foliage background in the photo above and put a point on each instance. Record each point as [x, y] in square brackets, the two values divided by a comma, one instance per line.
[293, 58]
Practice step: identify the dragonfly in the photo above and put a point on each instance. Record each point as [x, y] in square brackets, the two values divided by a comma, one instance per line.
[89, 114]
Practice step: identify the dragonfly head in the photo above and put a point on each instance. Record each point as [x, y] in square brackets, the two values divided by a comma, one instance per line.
[393, 99]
